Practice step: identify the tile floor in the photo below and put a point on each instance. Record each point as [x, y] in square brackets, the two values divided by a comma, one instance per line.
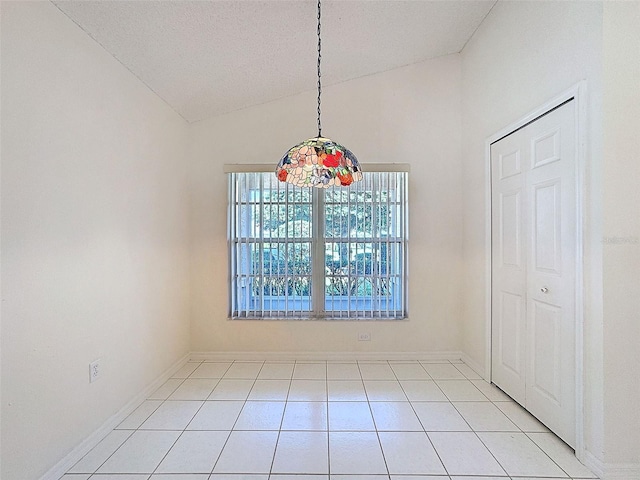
[420, 420]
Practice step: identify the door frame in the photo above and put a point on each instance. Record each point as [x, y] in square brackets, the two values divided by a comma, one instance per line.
[578, 93]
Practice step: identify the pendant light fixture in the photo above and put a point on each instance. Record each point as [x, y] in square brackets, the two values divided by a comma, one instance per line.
[319, 161]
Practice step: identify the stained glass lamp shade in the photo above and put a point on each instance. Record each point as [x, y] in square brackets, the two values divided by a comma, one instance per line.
[319, 162]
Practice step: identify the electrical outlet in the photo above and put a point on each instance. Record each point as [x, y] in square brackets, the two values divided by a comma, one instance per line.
[364, 337]
[95, 371]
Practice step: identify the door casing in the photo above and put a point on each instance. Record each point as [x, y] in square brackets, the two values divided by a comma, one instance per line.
[578, 94]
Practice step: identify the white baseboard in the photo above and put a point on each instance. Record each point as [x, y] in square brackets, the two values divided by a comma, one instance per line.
[112, 422]
[594, 464]
[473, 365]
[322, 356]
[621, 471]
[612, 471]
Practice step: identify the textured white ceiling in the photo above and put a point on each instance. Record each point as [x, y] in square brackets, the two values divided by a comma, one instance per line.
[210, 57]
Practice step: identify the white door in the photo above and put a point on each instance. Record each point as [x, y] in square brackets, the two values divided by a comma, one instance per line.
[534, 268]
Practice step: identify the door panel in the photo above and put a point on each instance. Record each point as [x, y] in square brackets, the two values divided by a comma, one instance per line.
[508, 269]
[510, 229]
[551, 267]
[533, 268]
[546, 233]
[545, 326]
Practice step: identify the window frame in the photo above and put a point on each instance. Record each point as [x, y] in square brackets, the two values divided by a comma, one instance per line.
[317, 296]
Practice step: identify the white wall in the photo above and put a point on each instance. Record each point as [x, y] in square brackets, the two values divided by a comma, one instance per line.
[621, 229]
[94, 236]
[524, 54]
[409, 115]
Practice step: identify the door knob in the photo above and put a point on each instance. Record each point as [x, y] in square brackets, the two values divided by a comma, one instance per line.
[544, 289]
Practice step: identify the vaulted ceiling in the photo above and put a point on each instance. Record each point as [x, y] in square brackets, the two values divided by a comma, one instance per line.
[205, 58]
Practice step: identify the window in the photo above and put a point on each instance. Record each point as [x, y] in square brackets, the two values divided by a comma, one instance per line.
[307, 253]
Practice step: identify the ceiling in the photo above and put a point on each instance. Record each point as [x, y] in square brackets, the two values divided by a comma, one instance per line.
[206, 58]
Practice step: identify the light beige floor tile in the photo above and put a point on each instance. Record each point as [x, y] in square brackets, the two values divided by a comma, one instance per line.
[410, 371]
[247, 452]
[216, 415]
[430, 477]
[350, 416]
[464, 454]
[519, 455]
[395, 416]
[76, 476]
[260, 416]
[456, 477]
[270, 390]
[346, 391]
[302, 452]
[308, 391]
[237, 476]
[166, 389]
[355, 453]
[101, 452]
[410, 453]
[194, 389]
[194, 452]
[376, 371]
[485, 417]
[139, 415]
[343, 371]
[231, 390]
[490, 391]
[179, 476]
[468, 372]
[244, 370]
[360, 477]
[461, 391]
[186, 370]
[305, 416]
[276, 371]
[119, 476]
[141, 453]
[172, 415]
[440, 417]
[422, 391]
[211, 370]
[385, 390]
[562, 454]
[443, 372]
[299, 477]
[310, 371]
[523, 419]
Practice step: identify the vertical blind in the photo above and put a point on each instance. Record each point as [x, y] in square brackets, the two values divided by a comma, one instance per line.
[306, 253]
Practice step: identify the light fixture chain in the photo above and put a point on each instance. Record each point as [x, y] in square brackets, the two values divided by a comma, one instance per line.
[319, 83]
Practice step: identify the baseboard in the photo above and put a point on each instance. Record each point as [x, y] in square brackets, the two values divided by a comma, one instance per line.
[621, 471]
[473, 365]
[96, 437]
[329, 356]
[594, 464]
[612, 471]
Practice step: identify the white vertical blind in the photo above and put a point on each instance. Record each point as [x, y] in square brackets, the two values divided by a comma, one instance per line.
[299, 253]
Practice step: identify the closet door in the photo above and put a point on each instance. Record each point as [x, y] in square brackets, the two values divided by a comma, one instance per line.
[535, 323]
[509, 158]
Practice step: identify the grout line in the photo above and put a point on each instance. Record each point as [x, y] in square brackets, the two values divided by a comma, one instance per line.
[238, 417]
[420, 421]
[326, 371]
[527, 434]
[284, 411]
